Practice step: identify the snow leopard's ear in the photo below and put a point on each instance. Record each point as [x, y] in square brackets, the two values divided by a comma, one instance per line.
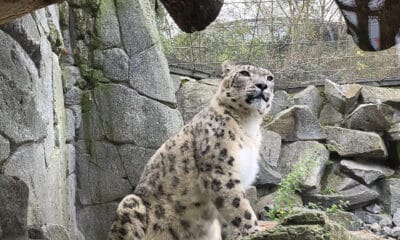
[227, 66]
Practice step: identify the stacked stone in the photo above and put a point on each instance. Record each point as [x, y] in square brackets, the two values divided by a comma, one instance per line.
[120, 102]
[353, 134]
[35, 197]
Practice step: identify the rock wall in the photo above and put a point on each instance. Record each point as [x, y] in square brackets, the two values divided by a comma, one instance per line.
[85, 100]
[33, 139]
[118, 79]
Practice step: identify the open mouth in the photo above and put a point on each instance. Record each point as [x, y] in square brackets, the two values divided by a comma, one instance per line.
[259, 96]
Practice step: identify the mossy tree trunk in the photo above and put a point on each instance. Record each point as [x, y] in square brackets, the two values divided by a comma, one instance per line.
[11, 9]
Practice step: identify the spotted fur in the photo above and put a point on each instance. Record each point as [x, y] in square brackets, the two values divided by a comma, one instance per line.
[195, 182]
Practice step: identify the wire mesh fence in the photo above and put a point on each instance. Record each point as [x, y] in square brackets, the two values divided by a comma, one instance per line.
[300, 41]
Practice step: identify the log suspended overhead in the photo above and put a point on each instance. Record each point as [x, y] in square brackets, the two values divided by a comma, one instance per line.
[193, 15]
[11, 9]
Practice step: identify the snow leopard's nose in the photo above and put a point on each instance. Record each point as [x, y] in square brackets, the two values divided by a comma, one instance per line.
[261, 86]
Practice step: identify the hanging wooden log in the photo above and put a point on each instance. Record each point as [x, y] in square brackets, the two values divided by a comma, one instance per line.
[193, 15]
[11, 9]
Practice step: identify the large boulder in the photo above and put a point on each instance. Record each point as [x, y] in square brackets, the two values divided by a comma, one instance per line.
[269, 156]
[347, 219]
[371, 117]
[95, 220]
[21, 120]
[312, 152]
[13, 208]
[335, 187]
[390, 96]
[148, 68]
[365, 172]
[126, 116]
[394, 132]
[297, 123]
[192, 97]
[4, 148]
[310, 97]
[390, 194]
[281, 101]
[330, 116]
[354, 143]
[311, 225]
[342, 97]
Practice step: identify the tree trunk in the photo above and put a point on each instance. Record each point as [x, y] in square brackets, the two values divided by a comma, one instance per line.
[193, 15]
[11, 9]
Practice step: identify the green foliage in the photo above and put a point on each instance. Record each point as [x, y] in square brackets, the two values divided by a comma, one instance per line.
[328, 190]
[286, 194]
[334, 208]
[333, 148]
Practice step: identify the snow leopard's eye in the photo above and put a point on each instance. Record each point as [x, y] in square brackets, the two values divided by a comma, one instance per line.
[270, 78]
[244, 73]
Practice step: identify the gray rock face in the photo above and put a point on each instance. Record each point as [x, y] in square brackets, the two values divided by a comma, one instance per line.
[371, 117]
[342, 97]
[266, 176]
[13, 208]
[384, 220]
[297, 123]
[148, 68]
[134, 159]
[335, 187]
[193, 97]
[371, 94]
[95, 221]
[70, 125]
[55, 232]
[107, 26]
[20, 118]
[33, 116]
[26, 33]
[70, 76]
[366, 172]
[310, 97]
[280, 102]
[395, 232]
[347, 219]
[390, 194]
[330, 116]
[358, 195]
[125, 115]
[375, 227]
[294, 152]
[4, 148]
[269, 156]
[115, 64]
[353, 143]
[73, 96]
[106, 176]
[270, 147]
[394, 132]
[396, 217]
[374, 208]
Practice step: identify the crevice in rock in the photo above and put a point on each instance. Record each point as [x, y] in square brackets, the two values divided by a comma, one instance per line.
[124, 168]
[168, 104]
[153, 45]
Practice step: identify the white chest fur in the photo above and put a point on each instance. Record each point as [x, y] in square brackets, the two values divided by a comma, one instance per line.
[248, 155]
[248, 165]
